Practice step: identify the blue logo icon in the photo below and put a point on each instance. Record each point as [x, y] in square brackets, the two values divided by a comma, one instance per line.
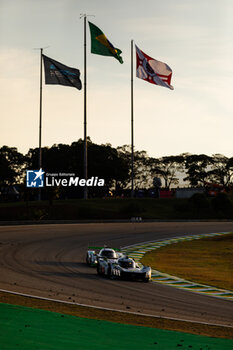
[35, 178]
[62, 71]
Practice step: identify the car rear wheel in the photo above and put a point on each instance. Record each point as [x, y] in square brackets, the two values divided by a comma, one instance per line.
[98, 269]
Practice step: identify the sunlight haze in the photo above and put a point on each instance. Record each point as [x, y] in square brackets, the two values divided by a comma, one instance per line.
[194, 38]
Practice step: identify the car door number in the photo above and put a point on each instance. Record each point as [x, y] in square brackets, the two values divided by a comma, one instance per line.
[116, 272]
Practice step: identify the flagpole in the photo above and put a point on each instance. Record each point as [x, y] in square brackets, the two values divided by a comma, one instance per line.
[132, 126]
[40, 120]
[85, 107]
[40, 114]
[85, 104]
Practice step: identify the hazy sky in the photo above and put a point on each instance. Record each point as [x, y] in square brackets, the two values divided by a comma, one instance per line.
[195, 38]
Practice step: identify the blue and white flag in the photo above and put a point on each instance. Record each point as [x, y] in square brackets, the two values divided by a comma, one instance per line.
[58, 73]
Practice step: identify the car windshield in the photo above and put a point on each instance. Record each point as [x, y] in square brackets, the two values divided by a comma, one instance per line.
[108, 253]
[126, 264]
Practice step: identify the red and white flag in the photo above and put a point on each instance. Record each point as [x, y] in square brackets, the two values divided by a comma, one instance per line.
[153, 71]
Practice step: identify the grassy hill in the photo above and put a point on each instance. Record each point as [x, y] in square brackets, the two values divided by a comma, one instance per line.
[116, 209]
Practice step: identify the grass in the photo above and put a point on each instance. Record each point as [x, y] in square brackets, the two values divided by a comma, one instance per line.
[208, 261]
[118, 317]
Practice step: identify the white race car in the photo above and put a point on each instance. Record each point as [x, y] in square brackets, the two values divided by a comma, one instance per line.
[123, 268]
[94, 254]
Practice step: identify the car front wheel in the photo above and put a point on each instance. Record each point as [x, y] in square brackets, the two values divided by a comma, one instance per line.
[146, 280]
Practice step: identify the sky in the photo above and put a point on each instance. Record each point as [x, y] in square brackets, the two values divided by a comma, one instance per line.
[195, 38]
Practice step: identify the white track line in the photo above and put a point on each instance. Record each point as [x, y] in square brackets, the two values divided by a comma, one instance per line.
[113, 310]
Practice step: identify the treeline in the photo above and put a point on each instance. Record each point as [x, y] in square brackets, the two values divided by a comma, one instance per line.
[114, 165]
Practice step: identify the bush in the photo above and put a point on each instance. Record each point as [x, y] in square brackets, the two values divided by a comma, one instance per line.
[199, 201]
[182, 205]
[223, 205]
[130, 209]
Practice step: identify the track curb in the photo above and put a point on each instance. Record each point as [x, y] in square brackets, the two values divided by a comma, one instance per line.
[137, 251]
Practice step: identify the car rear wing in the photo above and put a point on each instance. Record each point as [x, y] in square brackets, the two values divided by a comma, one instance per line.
[99, 248]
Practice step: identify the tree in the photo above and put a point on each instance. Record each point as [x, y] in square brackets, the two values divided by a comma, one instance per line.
[197, 169]
[142, 167]
[12, 165]
[221, 170]
[7, 174]
[104, 161]
[167, 168]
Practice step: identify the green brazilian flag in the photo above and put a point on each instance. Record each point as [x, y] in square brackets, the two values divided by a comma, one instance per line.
[100, 45]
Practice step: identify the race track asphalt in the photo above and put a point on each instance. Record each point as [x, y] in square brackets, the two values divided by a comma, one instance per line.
[49, 261]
